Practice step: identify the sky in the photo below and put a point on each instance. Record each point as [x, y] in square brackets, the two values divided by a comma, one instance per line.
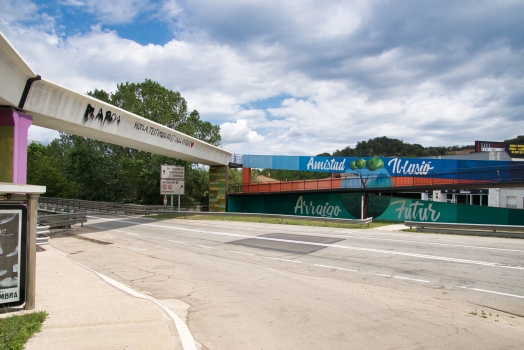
[294, 77]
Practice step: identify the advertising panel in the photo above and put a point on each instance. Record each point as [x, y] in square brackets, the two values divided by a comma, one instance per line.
[13, 235]
[489, 146]
[515, 150]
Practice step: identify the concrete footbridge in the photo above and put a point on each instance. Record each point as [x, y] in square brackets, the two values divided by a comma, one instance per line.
[28, 97]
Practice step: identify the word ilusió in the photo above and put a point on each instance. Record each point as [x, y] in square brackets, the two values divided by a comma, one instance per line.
[411, 169]
[416, 210]
[109, 117]
[326, 165]
[319, 210]
[165, 135]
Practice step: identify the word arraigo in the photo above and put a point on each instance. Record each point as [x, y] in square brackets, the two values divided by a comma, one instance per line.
[416, 211]
[325, 210]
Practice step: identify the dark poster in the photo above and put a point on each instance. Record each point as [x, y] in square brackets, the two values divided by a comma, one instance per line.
[13, 234]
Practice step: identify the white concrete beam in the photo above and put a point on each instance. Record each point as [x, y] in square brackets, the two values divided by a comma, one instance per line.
[56, 107]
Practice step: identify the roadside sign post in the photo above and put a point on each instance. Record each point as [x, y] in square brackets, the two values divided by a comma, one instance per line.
[172, 181]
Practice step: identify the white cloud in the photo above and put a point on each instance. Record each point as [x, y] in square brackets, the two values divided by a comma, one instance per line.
[42, 135]
[354, 70]
[238, 132]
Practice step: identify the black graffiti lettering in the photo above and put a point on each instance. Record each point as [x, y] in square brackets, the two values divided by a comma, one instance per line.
[100, 115]
[89, 113]
[109, 117]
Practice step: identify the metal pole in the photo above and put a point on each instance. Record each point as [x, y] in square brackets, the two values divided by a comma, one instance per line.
[32, 203]
[178, 202]
[171, 201]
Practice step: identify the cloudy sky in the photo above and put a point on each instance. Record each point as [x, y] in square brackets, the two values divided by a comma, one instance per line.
[295, 77]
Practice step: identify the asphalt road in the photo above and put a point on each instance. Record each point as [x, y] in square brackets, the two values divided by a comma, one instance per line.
[263, 286]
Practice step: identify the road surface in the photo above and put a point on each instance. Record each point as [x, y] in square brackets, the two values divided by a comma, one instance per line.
[263, 286]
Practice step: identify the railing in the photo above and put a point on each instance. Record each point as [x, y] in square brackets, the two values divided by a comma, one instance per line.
[512, 174]
[47, 203]
[514, 231]
[42, 235]
[273, 216]
[62, 220]
[236, 159]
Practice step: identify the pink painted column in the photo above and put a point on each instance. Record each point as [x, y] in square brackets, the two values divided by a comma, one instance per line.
[14, 127]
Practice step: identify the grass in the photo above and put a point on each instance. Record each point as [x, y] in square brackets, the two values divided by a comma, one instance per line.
[373, 224]
[16, 330]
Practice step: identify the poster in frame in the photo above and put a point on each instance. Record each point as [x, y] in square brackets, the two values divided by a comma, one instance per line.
[13, 245]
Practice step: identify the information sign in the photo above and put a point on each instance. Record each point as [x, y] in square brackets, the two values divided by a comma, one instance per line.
[13, 237]
[172, 186]
[172, 172]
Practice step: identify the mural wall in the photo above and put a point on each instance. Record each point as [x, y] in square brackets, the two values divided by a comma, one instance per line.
[347, 206]
[380, 172]
[217, 188]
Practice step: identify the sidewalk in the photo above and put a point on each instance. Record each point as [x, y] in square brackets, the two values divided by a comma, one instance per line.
[85, 312]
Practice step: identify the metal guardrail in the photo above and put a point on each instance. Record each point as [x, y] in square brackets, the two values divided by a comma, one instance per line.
[42, 235]
[272, 216]
[60, 220]
[108, 207]
[514, 231]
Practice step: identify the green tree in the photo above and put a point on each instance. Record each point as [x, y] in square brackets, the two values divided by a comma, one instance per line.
[107, 172]
[44, 169]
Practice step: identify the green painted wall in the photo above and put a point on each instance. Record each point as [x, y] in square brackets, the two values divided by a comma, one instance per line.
[6, 150]
[347, 205]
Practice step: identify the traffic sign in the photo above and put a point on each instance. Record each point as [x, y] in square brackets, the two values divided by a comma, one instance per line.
[172, 172]
[172, 187]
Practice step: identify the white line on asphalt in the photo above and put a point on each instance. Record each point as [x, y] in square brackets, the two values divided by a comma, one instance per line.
[333, 267]
[203, 246]
[169, 240]
[380, 251]
[433, 243]
[379, 274]
[129, 233]
[186, 338]
[401, 278]
[234, 251]
[293, 261]
[374, 238]
[410, 279]
[492, 292]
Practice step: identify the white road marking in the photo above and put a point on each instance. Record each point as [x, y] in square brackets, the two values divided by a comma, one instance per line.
[338, 246]
[186, 338]
[410, 279]
[293, 261]
[492, 292]
[102, 228]
[333, 267]
[234, 251]
[379, 274]
[169, 240]
[203, 246]
[402, 278]
[434, 243]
